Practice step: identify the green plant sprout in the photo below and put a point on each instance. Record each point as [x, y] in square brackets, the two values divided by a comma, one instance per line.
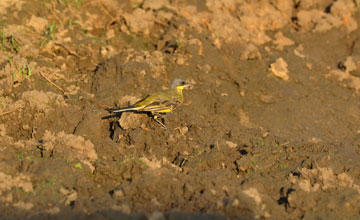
[10, 59]
[72, 22]
[20, 156]
[49, 34]
[8, 43]
[2, 37]
[3, 102]
[178, 43]
[25, 71]
[260, 141]
[78, 165]
[29, 70]
[77, 3]
[14, 44]
[20, 71]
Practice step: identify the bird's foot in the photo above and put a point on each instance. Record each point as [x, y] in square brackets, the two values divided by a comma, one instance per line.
[161, 123]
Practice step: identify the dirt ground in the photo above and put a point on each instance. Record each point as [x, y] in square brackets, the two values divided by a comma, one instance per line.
[269, 130]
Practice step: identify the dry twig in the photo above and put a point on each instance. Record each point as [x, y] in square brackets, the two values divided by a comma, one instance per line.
[52, 83]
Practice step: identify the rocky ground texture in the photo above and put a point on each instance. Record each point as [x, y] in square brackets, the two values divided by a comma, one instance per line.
[269, 130]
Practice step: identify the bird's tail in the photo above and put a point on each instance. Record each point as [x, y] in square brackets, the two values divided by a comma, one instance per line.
[126, 109]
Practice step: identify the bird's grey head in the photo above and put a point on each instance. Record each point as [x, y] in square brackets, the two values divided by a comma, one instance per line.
[178, 82]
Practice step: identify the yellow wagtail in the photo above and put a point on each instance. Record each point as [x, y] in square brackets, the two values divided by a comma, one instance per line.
[160, 102]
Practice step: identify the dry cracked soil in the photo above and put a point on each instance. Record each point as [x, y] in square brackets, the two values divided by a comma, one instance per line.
[270, 128]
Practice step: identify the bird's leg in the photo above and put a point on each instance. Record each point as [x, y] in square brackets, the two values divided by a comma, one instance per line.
[157, 118]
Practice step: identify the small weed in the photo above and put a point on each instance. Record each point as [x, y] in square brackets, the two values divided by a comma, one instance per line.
[3, 103]
[24, 71]
[20, 156]
[14, 75]
[43, 42]
[8, 43]
[29, 70]
[136, 5]
[49, 34]
[277, 147]
[72, 22]
[260, 141]
[77, 3]
[78, 165]
[51, 30]
[2, 38]
[20, 71]
[282, 166]
[14, 44]
[31, 159]
[195, 154]
[29, 58]
[10, 60]
[178, 43]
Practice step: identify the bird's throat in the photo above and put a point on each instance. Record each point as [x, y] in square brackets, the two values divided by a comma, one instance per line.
[179, 89]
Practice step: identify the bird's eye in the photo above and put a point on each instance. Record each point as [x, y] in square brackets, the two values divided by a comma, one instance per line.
[183, 83]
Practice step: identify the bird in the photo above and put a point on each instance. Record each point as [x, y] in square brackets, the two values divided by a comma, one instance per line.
[159, 103]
